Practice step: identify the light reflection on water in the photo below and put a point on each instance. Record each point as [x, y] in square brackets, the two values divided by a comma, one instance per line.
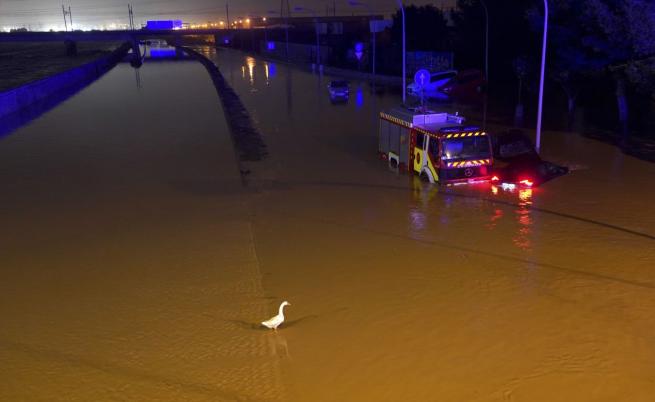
[523, 236]
[417, 220]
[250, 62]
[359, 97]
[267, 74]
[495, 217]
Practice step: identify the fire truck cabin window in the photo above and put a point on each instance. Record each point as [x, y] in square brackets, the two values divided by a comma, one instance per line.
[420, 140]
[433, 148]
[463, 148]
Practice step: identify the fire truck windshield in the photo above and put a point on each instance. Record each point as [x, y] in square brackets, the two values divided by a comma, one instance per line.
[466, 148]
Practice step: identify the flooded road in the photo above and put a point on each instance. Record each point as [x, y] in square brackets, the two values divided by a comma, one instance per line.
[136, 265]
[127, 259]
[405, 291]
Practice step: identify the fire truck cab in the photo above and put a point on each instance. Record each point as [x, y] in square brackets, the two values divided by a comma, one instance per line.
[436, 146]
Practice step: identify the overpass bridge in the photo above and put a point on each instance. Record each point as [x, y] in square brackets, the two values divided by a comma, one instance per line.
[118, 35]
[70, 39]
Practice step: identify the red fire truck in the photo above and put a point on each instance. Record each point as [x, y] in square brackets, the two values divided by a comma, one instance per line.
[436, 146]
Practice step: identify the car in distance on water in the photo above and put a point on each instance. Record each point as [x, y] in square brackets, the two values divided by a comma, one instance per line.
[466, 85]
[339, 89]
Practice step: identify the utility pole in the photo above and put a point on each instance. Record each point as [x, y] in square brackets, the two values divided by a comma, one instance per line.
[70, 15]
[402, 11]
[227, 14]
[486, 40]
[131, 15]
[541, 78]
[285, 17]
[63, 10]
[486, 61]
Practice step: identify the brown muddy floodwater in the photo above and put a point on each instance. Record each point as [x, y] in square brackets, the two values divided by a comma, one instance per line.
[136, 265]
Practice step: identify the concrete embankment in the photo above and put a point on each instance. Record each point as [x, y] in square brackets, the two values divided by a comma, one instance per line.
[247, 139]
[17, 99]
[378, 78]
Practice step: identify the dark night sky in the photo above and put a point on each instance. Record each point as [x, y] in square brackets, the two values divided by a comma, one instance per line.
[46, 14]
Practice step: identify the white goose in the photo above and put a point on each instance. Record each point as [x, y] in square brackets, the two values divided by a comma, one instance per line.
[275, 322]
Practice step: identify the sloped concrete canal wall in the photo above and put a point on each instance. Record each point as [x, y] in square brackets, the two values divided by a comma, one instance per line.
[17, 99]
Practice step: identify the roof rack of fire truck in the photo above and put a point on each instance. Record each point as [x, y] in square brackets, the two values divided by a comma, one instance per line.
[436, 123]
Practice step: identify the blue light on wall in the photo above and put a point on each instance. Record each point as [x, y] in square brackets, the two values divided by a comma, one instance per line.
[158, 53]
[226, 41]
[270, 45]
[272, 71]
[359, 50]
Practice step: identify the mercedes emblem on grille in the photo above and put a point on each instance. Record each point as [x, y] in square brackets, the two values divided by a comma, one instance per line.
[468, 172]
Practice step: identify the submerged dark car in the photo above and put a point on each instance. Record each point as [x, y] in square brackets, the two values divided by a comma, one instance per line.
[517, 162]
[339, 89]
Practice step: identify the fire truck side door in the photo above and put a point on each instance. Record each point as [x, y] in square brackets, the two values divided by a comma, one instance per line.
[419, 152]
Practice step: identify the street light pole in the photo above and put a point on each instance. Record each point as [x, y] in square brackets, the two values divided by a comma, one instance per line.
[486, 62]
[285, 20]
[402, 11]
[541, 79]
[318, 45]
[227, 14]
[374, 46]
[486, 40]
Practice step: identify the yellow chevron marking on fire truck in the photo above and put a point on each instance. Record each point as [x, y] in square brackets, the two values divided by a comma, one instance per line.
[395, 120]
